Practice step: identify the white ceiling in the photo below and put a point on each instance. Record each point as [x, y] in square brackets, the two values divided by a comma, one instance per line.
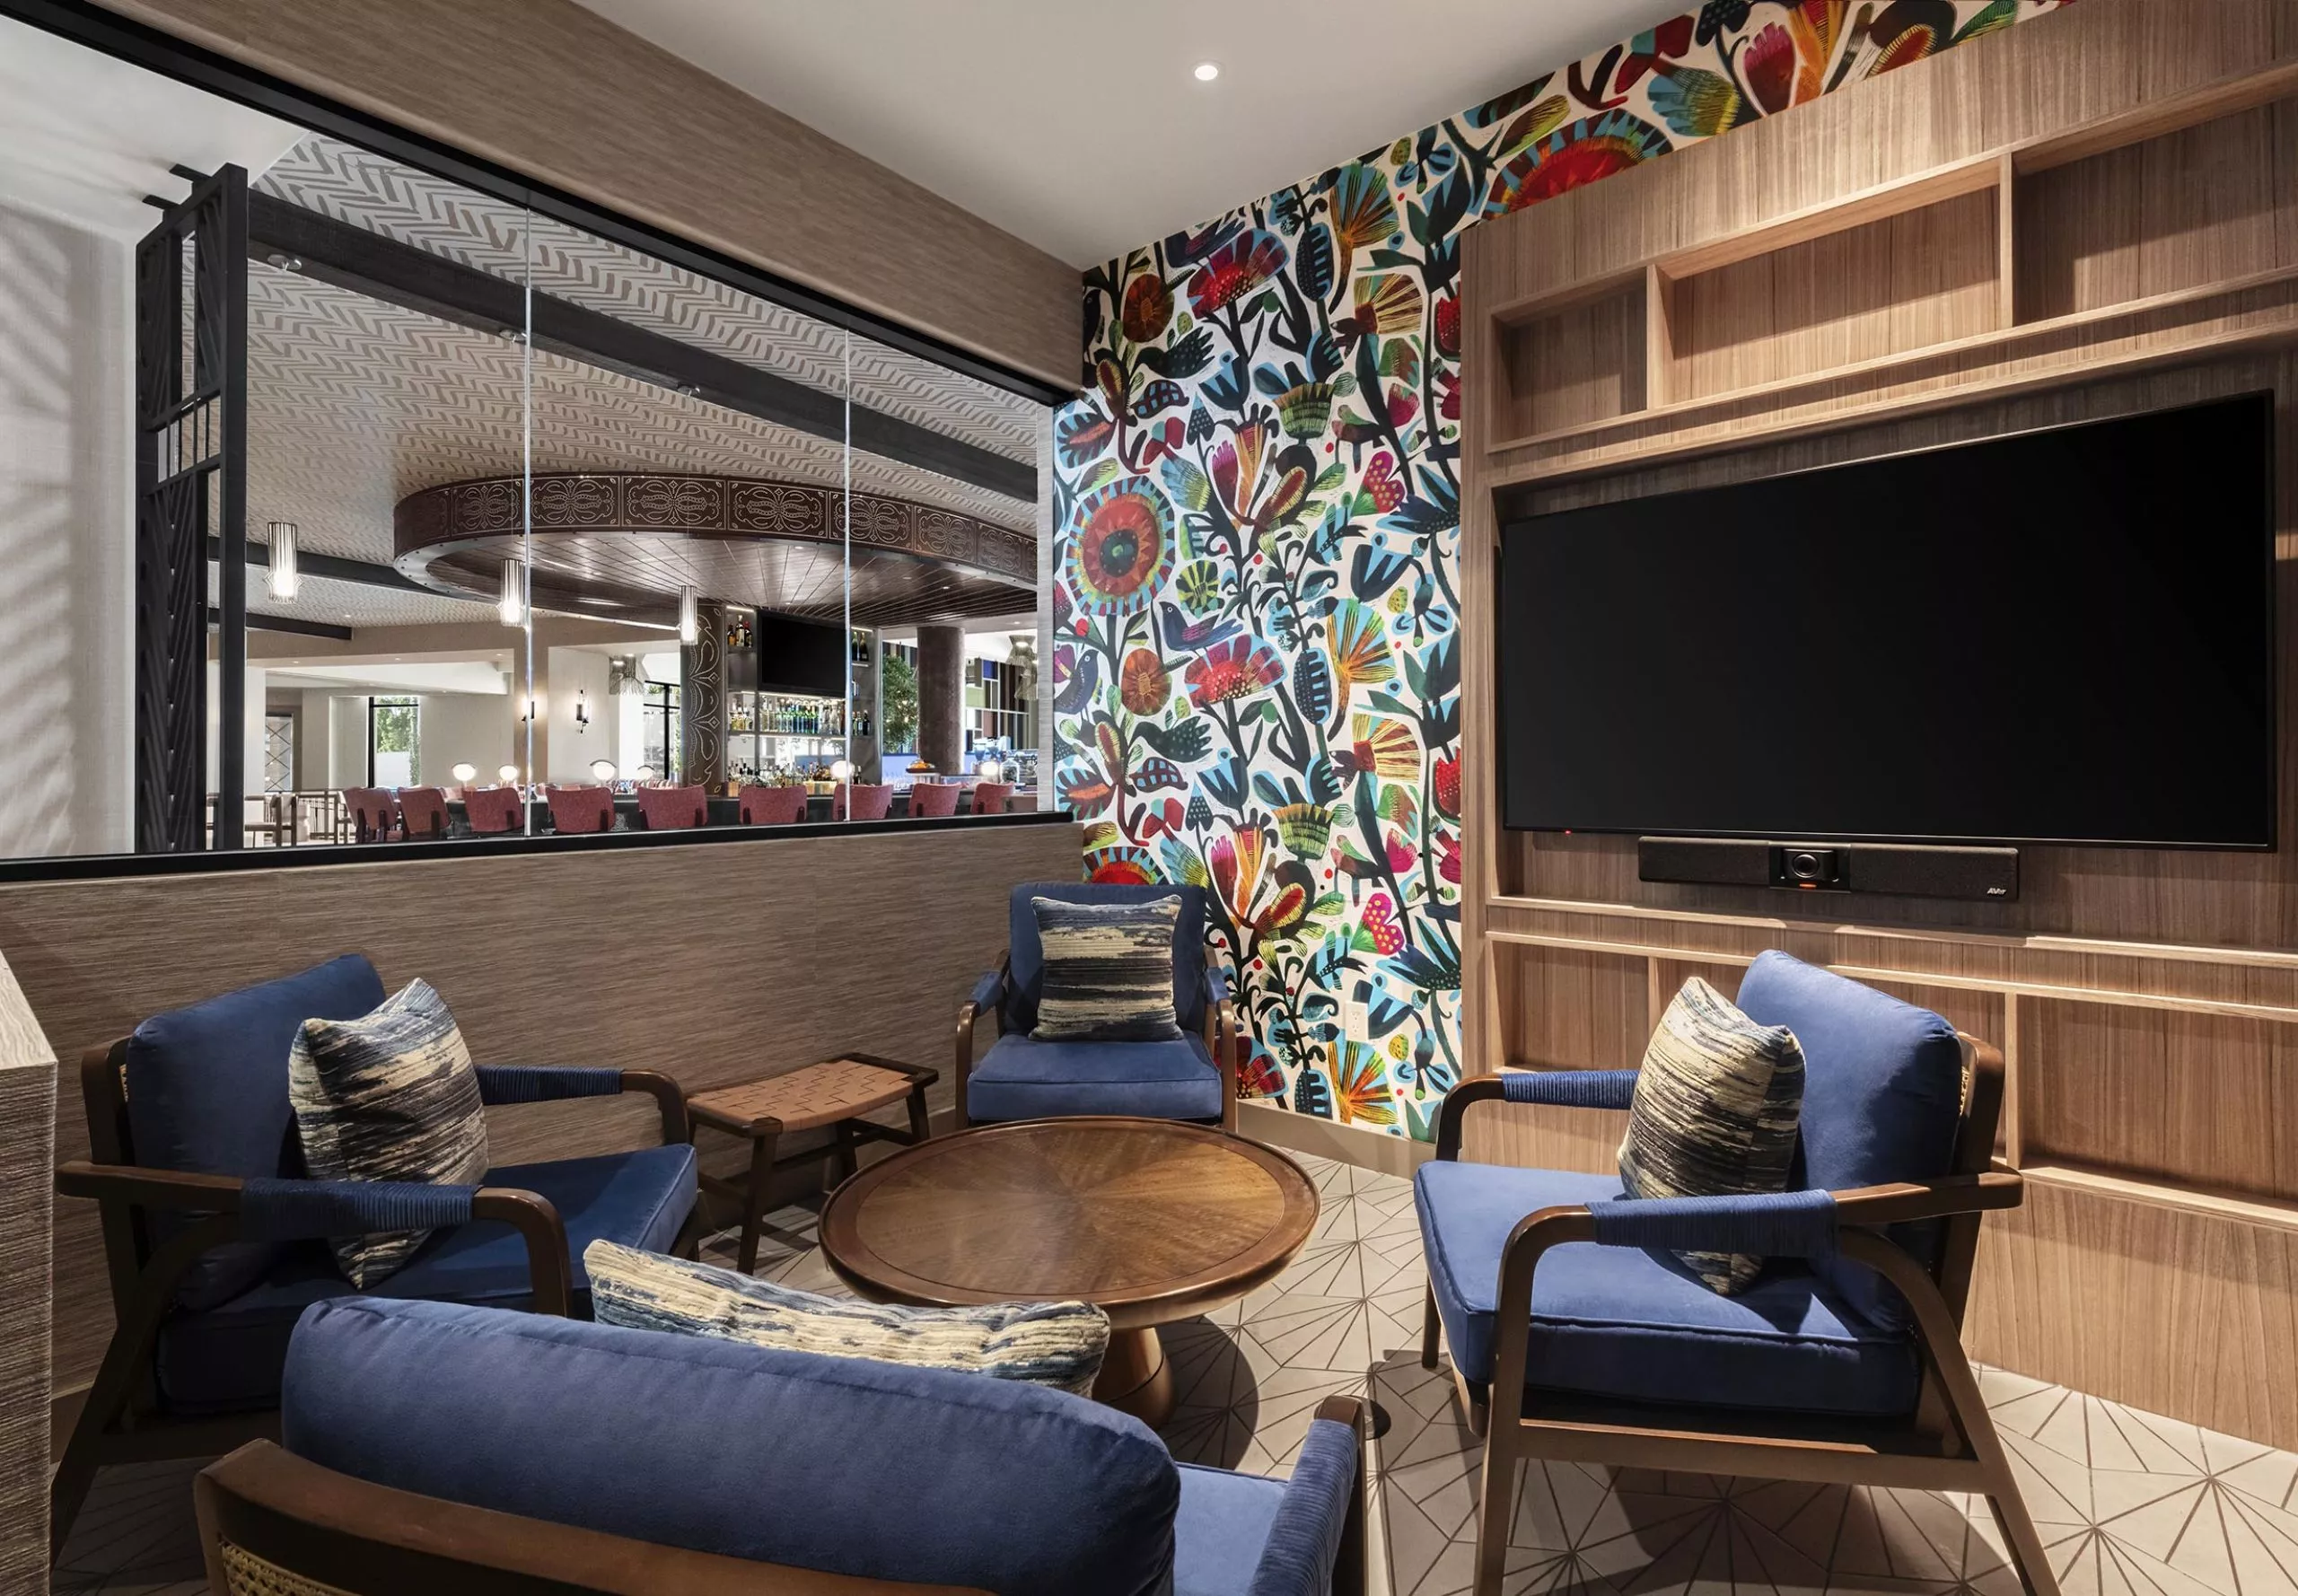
[87, 136]
[1077, 125]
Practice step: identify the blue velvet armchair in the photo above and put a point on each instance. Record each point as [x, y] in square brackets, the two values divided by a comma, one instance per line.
[428, 1446]
[1577, 1336]
[1193, 1077]
[215, 1244]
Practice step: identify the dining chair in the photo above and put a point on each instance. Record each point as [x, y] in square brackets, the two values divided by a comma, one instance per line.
[989, 797]
[1578, 1337]
[374, 817]
[580, 812]
[673, 809]
[933, 800]
[870, 803]
[491, 811]
[422, 813]
[772, 806]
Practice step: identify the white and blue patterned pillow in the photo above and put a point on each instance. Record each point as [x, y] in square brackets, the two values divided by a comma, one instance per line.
[389, 1096]
[1054, 1344]
[1108, 971]
[1718, 1103]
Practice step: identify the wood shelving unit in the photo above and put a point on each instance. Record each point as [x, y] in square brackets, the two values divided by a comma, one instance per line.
[1983, 243]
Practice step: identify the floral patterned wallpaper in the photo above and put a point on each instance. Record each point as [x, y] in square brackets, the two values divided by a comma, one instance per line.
[1257, 667]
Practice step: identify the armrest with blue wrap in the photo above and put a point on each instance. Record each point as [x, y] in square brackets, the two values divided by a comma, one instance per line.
[987, 997]
[269, 1209]
[1316, 1544]
[1562, 1089]
[545, 1083]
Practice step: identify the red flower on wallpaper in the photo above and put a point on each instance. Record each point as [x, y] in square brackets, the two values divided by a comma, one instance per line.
[1235, 269]
[1445, 777]
[1145, 684]
[1148, 307]
[1448, 326]
[1121, 550]
[1581, 154]
[1232, 669]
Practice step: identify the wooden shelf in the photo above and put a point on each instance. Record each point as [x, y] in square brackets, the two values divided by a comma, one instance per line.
[2246, 1208]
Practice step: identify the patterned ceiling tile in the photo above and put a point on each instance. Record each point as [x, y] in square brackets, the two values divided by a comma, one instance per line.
[2129, 1503]
[355, 186]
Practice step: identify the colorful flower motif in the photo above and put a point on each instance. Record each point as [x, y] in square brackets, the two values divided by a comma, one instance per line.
[1444, 776]
[1246, 262]
[1235, 669]
[1148, 307]
[1448, 326]
[1145, 684]
[1592, 148]
[1121, 866]
[1258, 1075]
[1363, 212]
[1381, 745]
[1360, 1091]
[1121, 549]
[1306, 828]
[1448, 857]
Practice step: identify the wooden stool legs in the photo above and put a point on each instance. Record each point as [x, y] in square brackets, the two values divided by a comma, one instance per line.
[754, 1195]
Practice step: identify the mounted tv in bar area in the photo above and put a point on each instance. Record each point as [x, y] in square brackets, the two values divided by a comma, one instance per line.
[2061, 636]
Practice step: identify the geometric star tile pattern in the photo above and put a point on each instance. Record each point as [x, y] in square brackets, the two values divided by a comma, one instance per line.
[2129, 1503]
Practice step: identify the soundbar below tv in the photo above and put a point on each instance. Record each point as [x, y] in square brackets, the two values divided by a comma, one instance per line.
[2062, 636]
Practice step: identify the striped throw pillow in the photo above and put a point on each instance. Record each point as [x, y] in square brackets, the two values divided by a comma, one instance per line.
[1718, 1104]
[1054, 1344]
[390, 1096]
[1108, 971]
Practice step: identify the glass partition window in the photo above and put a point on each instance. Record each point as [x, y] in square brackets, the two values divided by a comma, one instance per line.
[329, 475]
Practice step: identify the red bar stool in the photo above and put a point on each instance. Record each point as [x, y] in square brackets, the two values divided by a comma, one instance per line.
[772, 806]
[580, 812]
[989, 797]
[870, 803]
[673, 809]
[932, 799]
[374, 818]
[422, 813]
[491, 810]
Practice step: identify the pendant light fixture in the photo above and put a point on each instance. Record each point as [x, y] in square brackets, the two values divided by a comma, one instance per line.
[282, 578]
[512, 605]
[689, 622]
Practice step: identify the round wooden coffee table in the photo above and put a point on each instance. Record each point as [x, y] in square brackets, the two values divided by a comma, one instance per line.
[1151, 1220]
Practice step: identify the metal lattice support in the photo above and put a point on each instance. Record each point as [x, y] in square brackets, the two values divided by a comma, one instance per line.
[190, 476]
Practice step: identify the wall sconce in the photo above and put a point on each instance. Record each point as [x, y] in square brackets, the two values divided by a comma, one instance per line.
[604, 769]
[689, 621]
[506, 774]
[511, 603]
[465, 775]
[582, 709]
[282, 579]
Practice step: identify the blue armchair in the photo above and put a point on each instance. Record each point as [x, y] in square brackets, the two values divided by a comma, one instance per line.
[1194, 1077]
[1575, 1335]
[215, 1245]
[432, 1446]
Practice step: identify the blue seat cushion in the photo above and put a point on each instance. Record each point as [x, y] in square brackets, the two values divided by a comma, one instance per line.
[1220, 1529]
[842, 1465]
[207, 1093]
[1028, 960]
[1021, 1079]
[1637, 1325]
[1882, 1098]
[228, 1357]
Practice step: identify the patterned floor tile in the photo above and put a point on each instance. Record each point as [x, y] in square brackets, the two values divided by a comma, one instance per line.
[2129, 1503]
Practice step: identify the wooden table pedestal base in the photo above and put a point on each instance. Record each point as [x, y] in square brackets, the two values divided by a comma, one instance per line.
[1136, 1378]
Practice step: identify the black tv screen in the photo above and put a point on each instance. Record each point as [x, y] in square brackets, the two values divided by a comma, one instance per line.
[800, 656]
[2058, 636]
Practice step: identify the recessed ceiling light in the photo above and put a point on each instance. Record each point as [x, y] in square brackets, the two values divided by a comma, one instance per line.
[1207, 71]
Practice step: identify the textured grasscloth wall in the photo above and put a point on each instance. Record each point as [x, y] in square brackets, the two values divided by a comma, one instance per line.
[1257, 664]
[27, 1158]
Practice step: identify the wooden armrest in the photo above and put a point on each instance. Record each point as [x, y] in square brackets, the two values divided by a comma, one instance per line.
[668, 1094]
[1453, 1110]
[148, 1189]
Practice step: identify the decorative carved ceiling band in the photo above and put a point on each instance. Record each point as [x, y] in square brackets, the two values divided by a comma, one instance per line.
[706, 507]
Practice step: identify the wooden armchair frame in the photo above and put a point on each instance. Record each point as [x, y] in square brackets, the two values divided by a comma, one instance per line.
[1948, 1443]
[1220, 1034]
[265, 1506]
[121, 1420]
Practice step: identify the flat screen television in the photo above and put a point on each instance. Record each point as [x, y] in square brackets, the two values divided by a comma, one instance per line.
[2062, 636]
[801, 656]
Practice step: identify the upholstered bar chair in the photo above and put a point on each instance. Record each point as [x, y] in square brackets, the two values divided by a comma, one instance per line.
[492, 811]
[643, 1463]
[374, 815]
[990, 797]
[673, 809]
[215, 1244]
[862, 800]
[772, 806]
[580, 812]
[932, 799]
[1193, 1077]
[1574, 1338]
[422, 813]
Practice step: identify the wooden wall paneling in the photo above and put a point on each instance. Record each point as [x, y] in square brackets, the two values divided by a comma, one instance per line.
[715, 963]
[26, 1143]
[1574, 1008]
[1584, 1140]
[2102, 220]
[1579, 362]
[556, 92]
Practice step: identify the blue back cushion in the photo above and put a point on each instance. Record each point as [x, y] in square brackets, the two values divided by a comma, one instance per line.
[932, 1477]
[1882, 1095]
[1029, 960]
[207, 1093]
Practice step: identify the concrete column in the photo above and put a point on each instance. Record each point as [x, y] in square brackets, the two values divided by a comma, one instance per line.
[942, 696]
